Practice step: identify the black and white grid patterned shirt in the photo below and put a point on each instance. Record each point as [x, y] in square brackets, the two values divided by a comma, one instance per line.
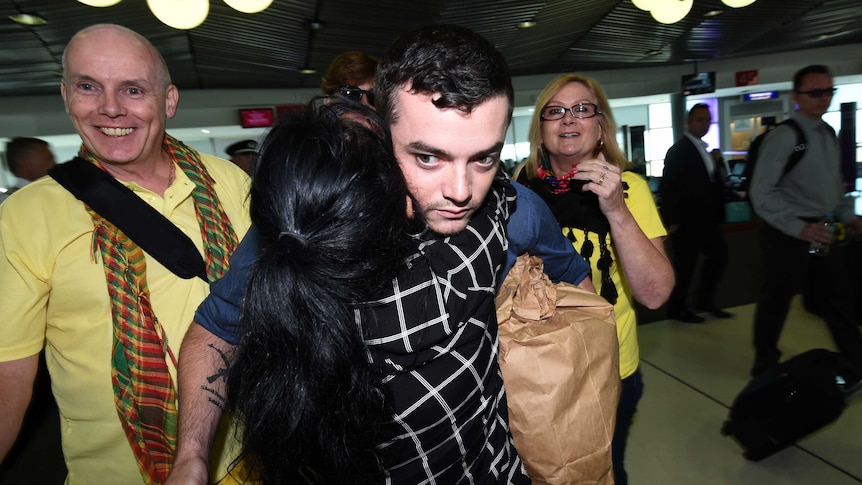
[434, 336]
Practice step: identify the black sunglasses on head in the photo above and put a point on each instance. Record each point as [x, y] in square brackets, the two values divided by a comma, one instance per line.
[357, 93]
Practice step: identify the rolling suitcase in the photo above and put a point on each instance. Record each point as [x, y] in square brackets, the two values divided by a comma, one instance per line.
[787, 403]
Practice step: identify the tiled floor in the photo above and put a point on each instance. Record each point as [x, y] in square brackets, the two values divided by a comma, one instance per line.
[692, 374]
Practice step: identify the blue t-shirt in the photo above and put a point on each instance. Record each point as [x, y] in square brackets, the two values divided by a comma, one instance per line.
[532, 229]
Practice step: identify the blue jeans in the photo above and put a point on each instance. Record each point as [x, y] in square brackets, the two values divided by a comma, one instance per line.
[632, 390]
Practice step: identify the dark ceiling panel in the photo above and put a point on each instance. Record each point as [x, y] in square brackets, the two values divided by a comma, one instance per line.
[267, 49]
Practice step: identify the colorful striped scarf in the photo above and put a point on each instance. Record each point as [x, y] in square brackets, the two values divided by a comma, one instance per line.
[144, 391]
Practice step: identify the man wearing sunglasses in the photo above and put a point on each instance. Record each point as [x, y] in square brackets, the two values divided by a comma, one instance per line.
[792, 205]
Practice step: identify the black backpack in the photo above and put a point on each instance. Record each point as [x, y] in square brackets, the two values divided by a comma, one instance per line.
[792, 161]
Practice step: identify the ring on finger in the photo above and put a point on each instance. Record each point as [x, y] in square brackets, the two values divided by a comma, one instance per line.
[606, 168]
[601, 179]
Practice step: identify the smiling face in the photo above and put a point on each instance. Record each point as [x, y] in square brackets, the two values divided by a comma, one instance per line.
[449, 158]
[115, 91]
[570, 140]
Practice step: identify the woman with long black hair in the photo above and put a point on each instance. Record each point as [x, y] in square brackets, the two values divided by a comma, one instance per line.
[329, 205]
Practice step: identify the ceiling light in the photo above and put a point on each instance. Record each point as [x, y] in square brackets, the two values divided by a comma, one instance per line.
[180, 14]
[100, 3]
[644, 4]
[307, 70]
[713, 13]
[670, 11]
[27, 19]
[653, 52]
[187, 14]
[205, 131]
[737, 3]
[249, 6]
[526, 25]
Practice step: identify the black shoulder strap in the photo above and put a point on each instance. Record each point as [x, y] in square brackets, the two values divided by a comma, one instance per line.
[798, 149]
[149, 229]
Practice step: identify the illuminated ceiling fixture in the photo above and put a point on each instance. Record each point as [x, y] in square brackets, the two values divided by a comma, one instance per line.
[28, 19]
[100, 3]
[187, 14]
[672, 11]
[180, 14]
[249, 6]
[529, 24]
[737, 3]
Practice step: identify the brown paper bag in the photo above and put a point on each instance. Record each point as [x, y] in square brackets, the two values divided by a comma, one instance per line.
[560, 361]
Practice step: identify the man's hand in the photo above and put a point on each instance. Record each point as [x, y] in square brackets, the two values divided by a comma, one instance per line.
[816, 234]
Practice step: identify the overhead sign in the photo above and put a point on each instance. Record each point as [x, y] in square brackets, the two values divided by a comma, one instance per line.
[747, 78]
[760, 96]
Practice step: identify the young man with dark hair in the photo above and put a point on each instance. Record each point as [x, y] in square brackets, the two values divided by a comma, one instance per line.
[432, 336]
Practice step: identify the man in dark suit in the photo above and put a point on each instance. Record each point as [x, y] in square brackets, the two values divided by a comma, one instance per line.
[693, 211]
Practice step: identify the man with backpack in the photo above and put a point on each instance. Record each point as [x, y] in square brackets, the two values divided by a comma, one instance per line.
[793, 194]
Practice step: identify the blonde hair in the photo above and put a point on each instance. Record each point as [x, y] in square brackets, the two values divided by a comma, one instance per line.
[609, 146]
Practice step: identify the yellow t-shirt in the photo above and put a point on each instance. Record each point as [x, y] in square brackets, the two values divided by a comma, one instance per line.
[642, 206]
[54, 295]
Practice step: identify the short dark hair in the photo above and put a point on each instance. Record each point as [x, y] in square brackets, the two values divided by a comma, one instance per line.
[812, 69]
[350, 68]
[697, 107]
[459, 65]
[18, 147]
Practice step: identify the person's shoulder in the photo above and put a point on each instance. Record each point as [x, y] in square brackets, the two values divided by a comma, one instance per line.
[526, 197]
[226, 173]
[42, 197]
[781, 138]
[634, 179]
[680, 144]
[221, 166]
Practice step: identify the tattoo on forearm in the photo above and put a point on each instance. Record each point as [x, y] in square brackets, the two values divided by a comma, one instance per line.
[216, 397]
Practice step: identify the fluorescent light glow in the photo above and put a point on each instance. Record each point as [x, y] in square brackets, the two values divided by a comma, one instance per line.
[27, 19]
[249, 6]
[180, 14]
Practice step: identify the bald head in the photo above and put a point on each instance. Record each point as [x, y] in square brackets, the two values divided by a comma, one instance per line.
[109, 34]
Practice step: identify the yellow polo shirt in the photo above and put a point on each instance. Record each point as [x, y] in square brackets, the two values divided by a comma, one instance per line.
[53, 294]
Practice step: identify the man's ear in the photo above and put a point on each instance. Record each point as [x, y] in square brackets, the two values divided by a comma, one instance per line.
[172, 98]
[63, 94]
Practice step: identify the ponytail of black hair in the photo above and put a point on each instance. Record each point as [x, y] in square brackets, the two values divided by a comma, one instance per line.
[329, 203]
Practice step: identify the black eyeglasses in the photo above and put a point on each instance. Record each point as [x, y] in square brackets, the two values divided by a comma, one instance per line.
[579, 111]
[817, 93]
[356, 93]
